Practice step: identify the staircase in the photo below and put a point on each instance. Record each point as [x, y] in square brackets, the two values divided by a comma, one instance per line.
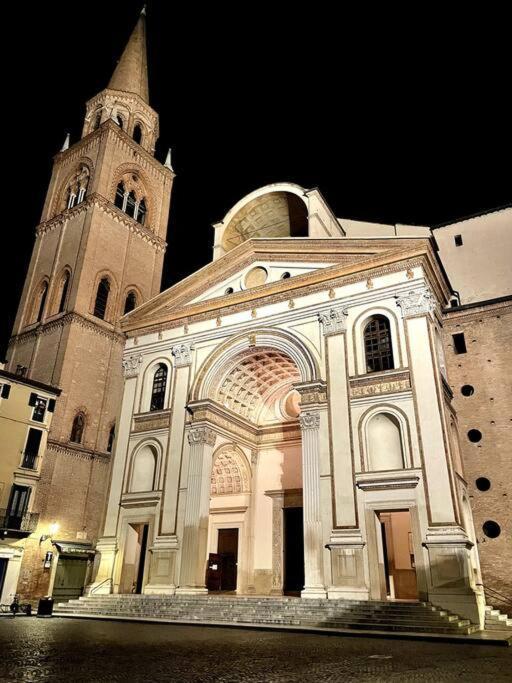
[496, 620]
[395, 617]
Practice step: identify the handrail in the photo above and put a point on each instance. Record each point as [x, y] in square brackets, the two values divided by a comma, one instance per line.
[495, 595]
[93, 590]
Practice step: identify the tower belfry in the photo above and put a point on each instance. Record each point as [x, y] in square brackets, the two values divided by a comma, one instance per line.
[98, 254]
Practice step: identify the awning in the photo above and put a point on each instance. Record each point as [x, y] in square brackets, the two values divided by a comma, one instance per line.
[74, 548]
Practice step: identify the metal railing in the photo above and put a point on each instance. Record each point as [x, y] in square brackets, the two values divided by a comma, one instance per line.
[12, 520]
[494, 596]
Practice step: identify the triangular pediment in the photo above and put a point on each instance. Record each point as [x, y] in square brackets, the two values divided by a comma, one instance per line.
[256, 269]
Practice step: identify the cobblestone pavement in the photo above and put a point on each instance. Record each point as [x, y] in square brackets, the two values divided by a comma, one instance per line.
[57, 650]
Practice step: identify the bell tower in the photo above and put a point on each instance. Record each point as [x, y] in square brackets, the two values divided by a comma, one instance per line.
[98, 254]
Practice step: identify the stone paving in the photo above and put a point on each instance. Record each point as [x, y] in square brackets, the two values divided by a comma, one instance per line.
[57, 650]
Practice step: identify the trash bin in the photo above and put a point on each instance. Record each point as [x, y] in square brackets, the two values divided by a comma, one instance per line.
[45, 607]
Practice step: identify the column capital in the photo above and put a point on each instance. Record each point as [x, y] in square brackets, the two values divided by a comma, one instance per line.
[334, 321]
[312, 392]
[182, 354]
[205, 435]
[131, 365]
[309, 420]
[418, 301]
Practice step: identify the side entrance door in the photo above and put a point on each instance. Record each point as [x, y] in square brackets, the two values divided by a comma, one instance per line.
[228, 550]
[69, 578]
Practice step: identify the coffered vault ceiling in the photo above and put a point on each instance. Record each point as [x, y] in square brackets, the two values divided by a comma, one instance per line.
[275, 214]
[258, 381]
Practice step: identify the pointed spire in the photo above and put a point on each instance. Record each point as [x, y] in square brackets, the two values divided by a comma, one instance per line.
[131, 72]
[168, 163]
[65, 146]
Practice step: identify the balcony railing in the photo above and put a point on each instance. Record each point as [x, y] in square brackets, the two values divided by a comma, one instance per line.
[10, 520]
[29, 461]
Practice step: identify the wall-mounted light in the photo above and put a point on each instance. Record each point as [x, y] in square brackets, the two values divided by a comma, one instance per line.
[53, 528]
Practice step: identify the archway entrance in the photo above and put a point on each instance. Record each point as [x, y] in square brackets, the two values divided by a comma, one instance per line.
[251, 474]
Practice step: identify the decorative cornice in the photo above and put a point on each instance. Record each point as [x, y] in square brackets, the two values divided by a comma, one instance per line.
[182, 354]
[97, 200]
[76, 451]
[418, 301]
[202, 435]
[68, 319]
[148, 422]
[380, 484]
[309, 421]
[131, 365]
[334, 321]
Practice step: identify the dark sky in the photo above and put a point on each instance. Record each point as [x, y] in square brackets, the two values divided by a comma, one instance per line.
[395, 118]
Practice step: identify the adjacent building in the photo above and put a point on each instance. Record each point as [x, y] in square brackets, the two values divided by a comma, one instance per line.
[26, 411]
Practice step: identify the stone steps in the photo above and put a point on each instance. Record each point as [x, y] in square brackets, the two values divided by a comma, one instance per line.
[278, 611]
[496, 620]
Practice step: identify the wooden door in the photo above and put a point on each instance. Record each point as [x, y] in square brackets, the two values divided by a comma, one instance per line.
[228, 550]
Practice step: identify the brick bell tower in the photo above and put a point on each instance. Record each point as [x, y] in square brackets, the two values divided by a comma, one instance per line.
[98, 254]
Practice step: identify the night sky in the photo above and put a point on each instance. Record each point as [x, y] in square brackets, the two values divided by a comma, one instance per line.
[395, 118]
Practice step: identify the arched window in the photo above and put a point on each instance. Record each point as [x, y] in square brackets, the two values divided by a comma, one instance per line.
[71, 198]
[97, 121]
[120, 195]
[111, 437]
[377, 344]
[131, 302]
[63, 292]
[118, 119]
[131, 202]
[77, 187]
[143, 476]
[100, 304]
[141, 212]
[137, 133]
[77, 430]
[384, 443]
[158, 389]
[42, 301]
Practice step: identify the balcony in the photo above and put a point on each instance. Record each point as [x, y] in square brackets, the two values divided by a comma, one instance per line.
[14, 524]
[29, 461]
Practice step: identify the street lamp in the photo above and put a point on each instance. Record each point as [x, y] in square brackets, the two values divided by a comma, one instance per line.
[53, 528]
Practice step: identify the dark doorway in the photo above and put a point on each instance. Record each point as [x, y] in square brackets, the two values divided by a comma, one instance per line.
[142, 558]
[227, 548]
[293, 551]
[3, 572]
[398, 562]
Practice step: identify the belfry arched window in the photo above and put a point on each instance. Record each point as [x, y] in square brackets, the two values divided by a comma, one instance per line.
[77, 430]
[158, 389]
[130, 302]
[77, 187]
[111, 437]
[137, 133]
[130, 198]
[131, 204]
[64, 286]
[101, 301]
[97, 120]
[43, 293]
[377, 344]
[141, 213]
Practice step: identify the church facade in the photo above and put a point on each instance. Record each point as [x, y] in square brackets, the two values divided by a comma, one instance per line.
[287, 423]
[323, 410]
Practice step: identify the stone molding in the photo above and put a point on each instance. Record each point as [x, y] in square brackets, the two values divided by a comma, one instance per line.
[309, 421]
[312, 392]
[95, 199]
[76, 451]
[68, 319]
[182, 354]
[334, 321]
[372, 385]
[202, 435]
[418, 301]
[131, 365]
